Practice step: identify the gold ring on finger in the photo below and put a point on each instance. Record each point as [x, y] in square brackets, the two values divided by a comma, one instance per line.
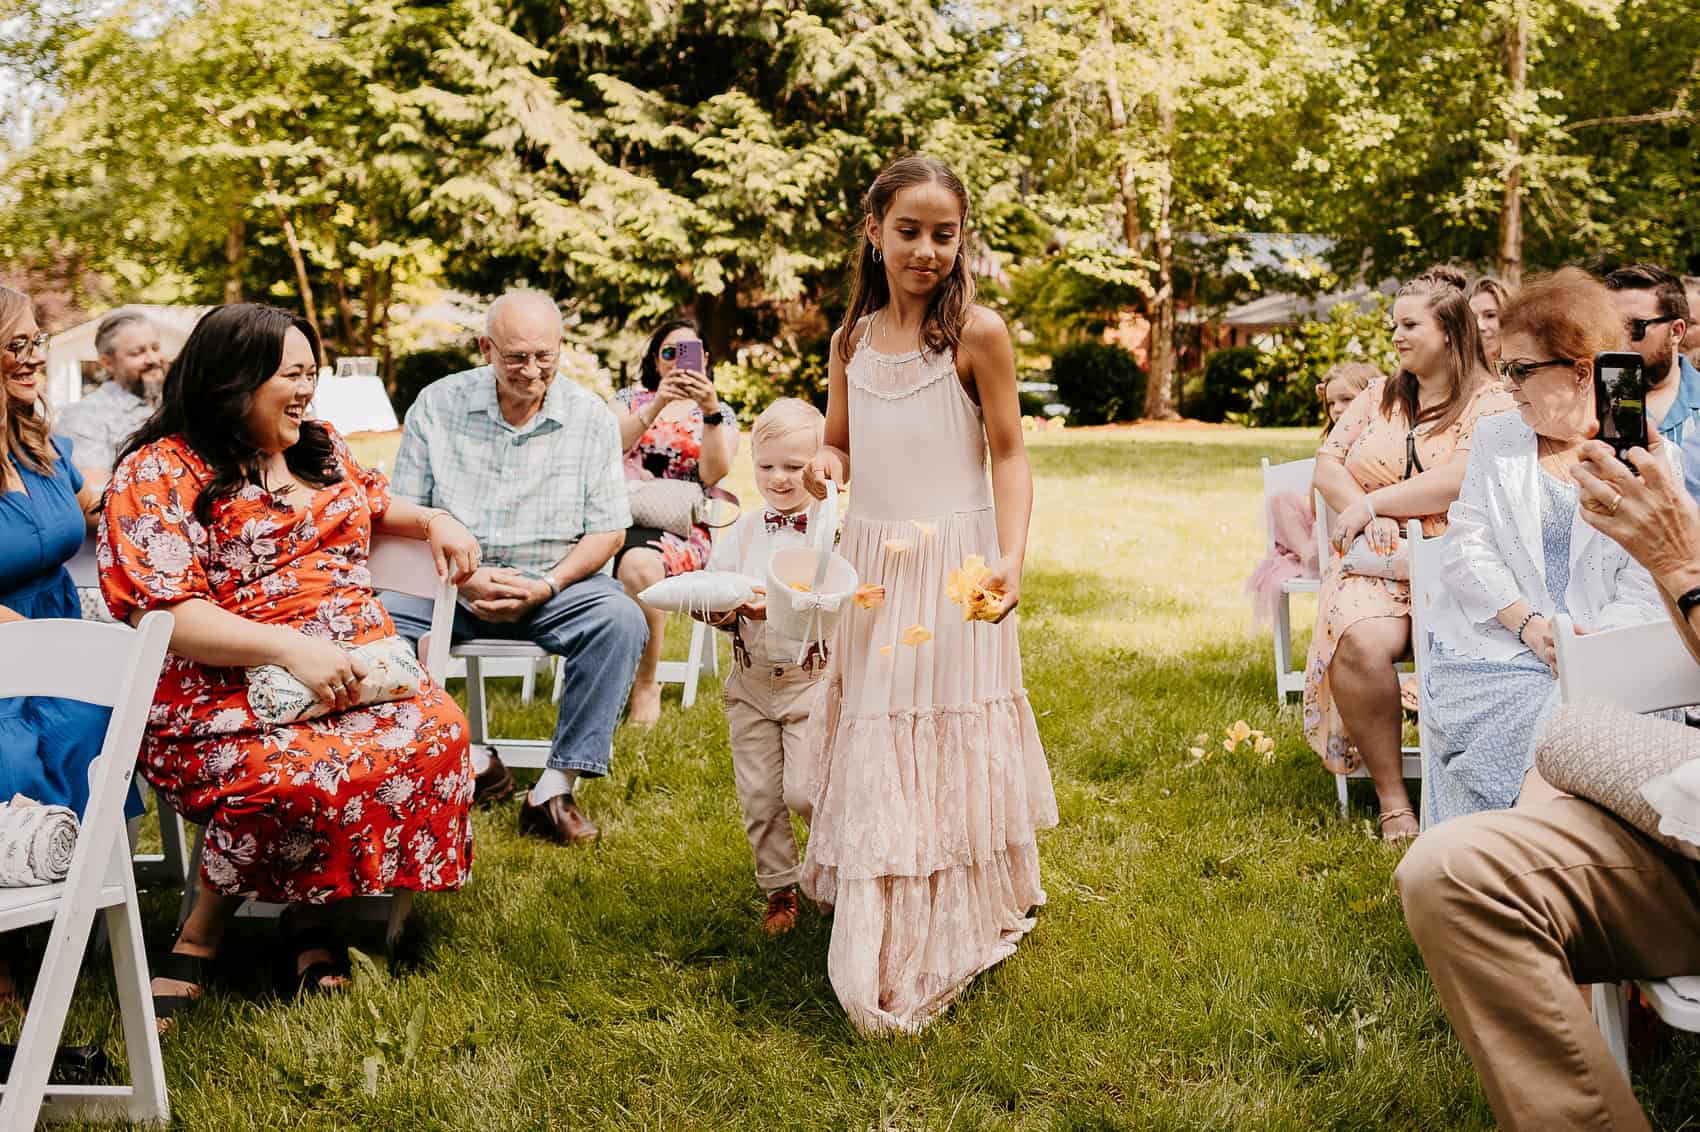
[1616, 502]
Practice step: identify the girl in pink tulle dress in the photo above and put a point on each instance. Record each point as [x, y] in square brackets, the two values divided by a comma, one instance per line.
[928, 780]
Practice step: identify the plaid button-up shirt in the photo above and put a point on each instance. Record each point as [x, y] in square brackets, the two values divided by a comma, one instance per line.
[100, 423]
[528, 494]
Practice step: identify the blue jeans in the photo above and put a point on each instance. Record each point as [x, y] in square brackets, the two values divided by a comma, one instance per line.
[599, 634]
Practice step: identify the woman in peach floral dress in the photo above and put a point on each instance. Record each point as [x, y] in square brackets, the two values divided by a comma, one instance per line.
[253, 527]
[1398, 453]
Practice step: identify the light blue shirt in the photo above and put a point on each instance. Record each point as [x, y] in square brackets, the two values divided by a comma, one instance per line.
[528, 494]
[1685, 410]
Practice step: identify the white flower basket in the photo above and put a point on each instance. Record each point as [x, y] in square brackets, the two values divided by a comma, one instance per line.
[806, 618]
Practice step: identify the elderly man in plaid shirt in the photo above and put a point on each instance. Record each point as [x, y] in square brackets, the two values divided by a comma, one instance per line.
[530, 464]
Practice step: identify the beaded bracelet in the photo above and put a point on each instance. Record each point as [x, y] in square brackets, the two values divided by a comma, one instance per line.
[1525, 625]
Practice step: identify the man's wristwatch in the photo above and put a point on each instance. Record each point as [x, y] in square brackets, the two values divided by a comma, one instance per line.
[1686, 603]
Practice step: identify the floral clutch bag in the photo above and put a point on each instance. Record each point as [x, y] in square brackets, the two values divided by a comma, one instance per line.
[393, 673]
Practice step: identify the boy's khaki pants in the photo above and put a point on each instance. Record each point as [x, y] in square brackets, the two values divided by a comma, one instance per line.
[767, 706]
[1511, 910]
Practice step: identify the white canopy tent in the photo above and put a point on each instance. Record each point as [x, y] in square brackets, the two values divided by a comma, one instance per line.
[69, 350]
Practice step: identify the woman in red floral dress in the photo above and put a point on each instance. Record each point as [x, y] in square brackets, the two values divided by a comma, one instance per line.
[253, 527]
[673, 426]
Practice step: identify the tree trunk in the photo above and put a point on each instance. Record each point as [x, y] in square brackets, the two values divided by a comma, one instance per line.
[1511, 206]
[344, 312]
[308, 306]
[1127, 187]
[1159, 397]
[235, 243]
[382, 318]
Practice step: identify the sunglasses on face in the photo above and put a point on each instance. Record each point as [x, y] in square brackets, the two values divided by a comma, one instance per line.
[1638, 326]
[1516, 373]
[23, 344]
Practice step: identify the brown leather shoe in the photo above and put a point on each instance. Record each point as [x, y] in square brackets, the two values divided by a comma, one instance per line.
[558, 819]
[781, 911]
[496, 784]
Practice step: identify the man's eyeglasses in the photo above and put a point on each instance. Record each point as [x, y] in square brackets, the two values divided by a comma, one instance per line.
[1638, 326]
[23, 344]
[545, 360]
[1516, 373]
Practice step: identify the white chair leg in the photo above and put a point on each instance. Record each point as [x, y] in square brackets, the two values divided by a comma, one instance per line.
[44, 1020]
[1611, 1014]
[477, 712]
[173, 841]
[693, 663]
[528, 684]
[1283, 645]
[401, 906]
[1340, 789]
[148, 1102]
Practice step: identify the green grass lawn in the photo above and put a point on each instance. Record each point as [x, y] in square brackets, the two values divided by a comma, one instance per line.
[1220, 949]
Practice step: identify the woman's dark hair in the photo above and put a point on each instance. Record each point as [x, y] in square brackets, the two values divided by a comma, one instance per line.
[209, 389]
[1466, 357]
[947, 313]
[648, 372]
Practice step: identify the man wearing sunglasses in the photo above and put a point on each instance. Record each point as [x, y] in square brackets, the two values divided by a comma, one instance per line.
[1655, 315]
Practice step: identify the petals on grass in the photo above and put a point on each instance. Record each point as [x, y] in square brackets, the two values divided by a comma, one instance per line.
[1239, 732]
[1202, 739]
[1195, 752]
[1229, 745]
[1265, 745]
[869, 597]
[915, 635]
[898, 545]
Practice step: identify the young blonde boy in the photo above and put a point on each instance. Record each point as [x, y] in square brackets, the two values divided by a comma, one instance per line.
[768, 697]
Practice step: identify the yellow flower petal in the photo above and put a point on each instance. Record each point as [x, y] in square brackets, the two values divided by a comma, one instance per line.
[885, 650]
[1229, 745]
[1240, 731]
[915, 635]
[1195, 752]
[799, 587]
[867, 597]
[898, 545]
[926, 530]
[1202, 738]
[1265, 745]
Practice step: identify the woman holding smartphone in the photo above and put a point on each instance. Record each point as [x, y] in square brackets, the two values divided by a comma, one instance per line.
[672, 426]
[1518, 552]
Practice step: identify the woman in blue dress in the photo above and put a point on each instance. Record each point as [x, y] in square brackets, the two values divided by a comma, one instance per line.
[46, 745]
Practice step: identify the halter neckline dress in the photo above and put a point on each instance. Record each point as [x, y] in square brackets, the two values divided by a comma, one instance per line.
[929, 780]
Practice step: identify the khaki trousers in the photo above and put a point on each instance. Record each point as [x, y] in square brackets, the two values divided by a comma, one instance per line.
[1511, 910]
[767, 705]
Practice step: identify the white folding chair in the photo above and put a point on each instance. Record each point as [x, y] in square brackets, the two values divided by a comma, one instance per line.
[117, 666]
[1428, 586]
[169, 868]
[405, 566]
[1413, 767]
[1291, 478]
[1644, 668]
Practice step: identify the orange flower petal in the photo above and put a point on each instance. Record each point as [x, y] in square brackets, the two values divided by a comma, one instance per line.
[885, 650]
[915, 635]
[870, 596]
[898, 545]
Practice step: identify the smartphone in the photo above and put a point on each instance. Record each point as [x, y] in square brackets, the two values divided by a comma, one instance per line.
[1620, 400]
[689, 356]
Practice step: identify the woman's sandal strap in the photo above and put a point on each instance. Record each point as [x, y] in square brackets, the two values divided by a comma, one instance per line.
[179, 966]
[1406, 812]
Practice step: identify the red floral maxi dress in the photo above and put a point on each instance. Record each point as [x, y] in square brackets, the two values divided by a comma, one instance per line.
[349, 804]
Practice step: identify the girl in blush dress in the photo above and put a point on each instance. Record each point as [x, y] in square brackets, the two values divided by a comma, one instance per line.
[928, 780]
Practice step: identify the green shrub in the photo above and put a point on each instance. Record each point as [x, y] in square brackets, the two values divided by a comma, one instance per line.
[1033, 404]
[1285, 390]
[1226, 385]
[1099, 382]
[761, 374]
[411, 373]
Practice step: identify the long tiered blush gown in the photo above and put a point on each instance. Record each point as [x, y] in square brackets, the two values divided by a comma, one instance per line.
[929, 781]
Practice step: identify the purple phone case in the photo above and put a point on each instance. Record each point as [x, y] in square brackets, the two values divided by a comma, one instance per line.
[690, 356]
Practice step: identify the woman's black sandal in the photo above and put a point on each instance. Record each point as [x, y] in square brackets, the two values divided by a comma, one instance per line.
[293, 942]
[181, 967]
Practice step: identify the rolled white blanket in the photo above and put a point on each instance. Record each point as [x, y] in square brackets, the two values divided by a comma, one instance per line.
[36, 842]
